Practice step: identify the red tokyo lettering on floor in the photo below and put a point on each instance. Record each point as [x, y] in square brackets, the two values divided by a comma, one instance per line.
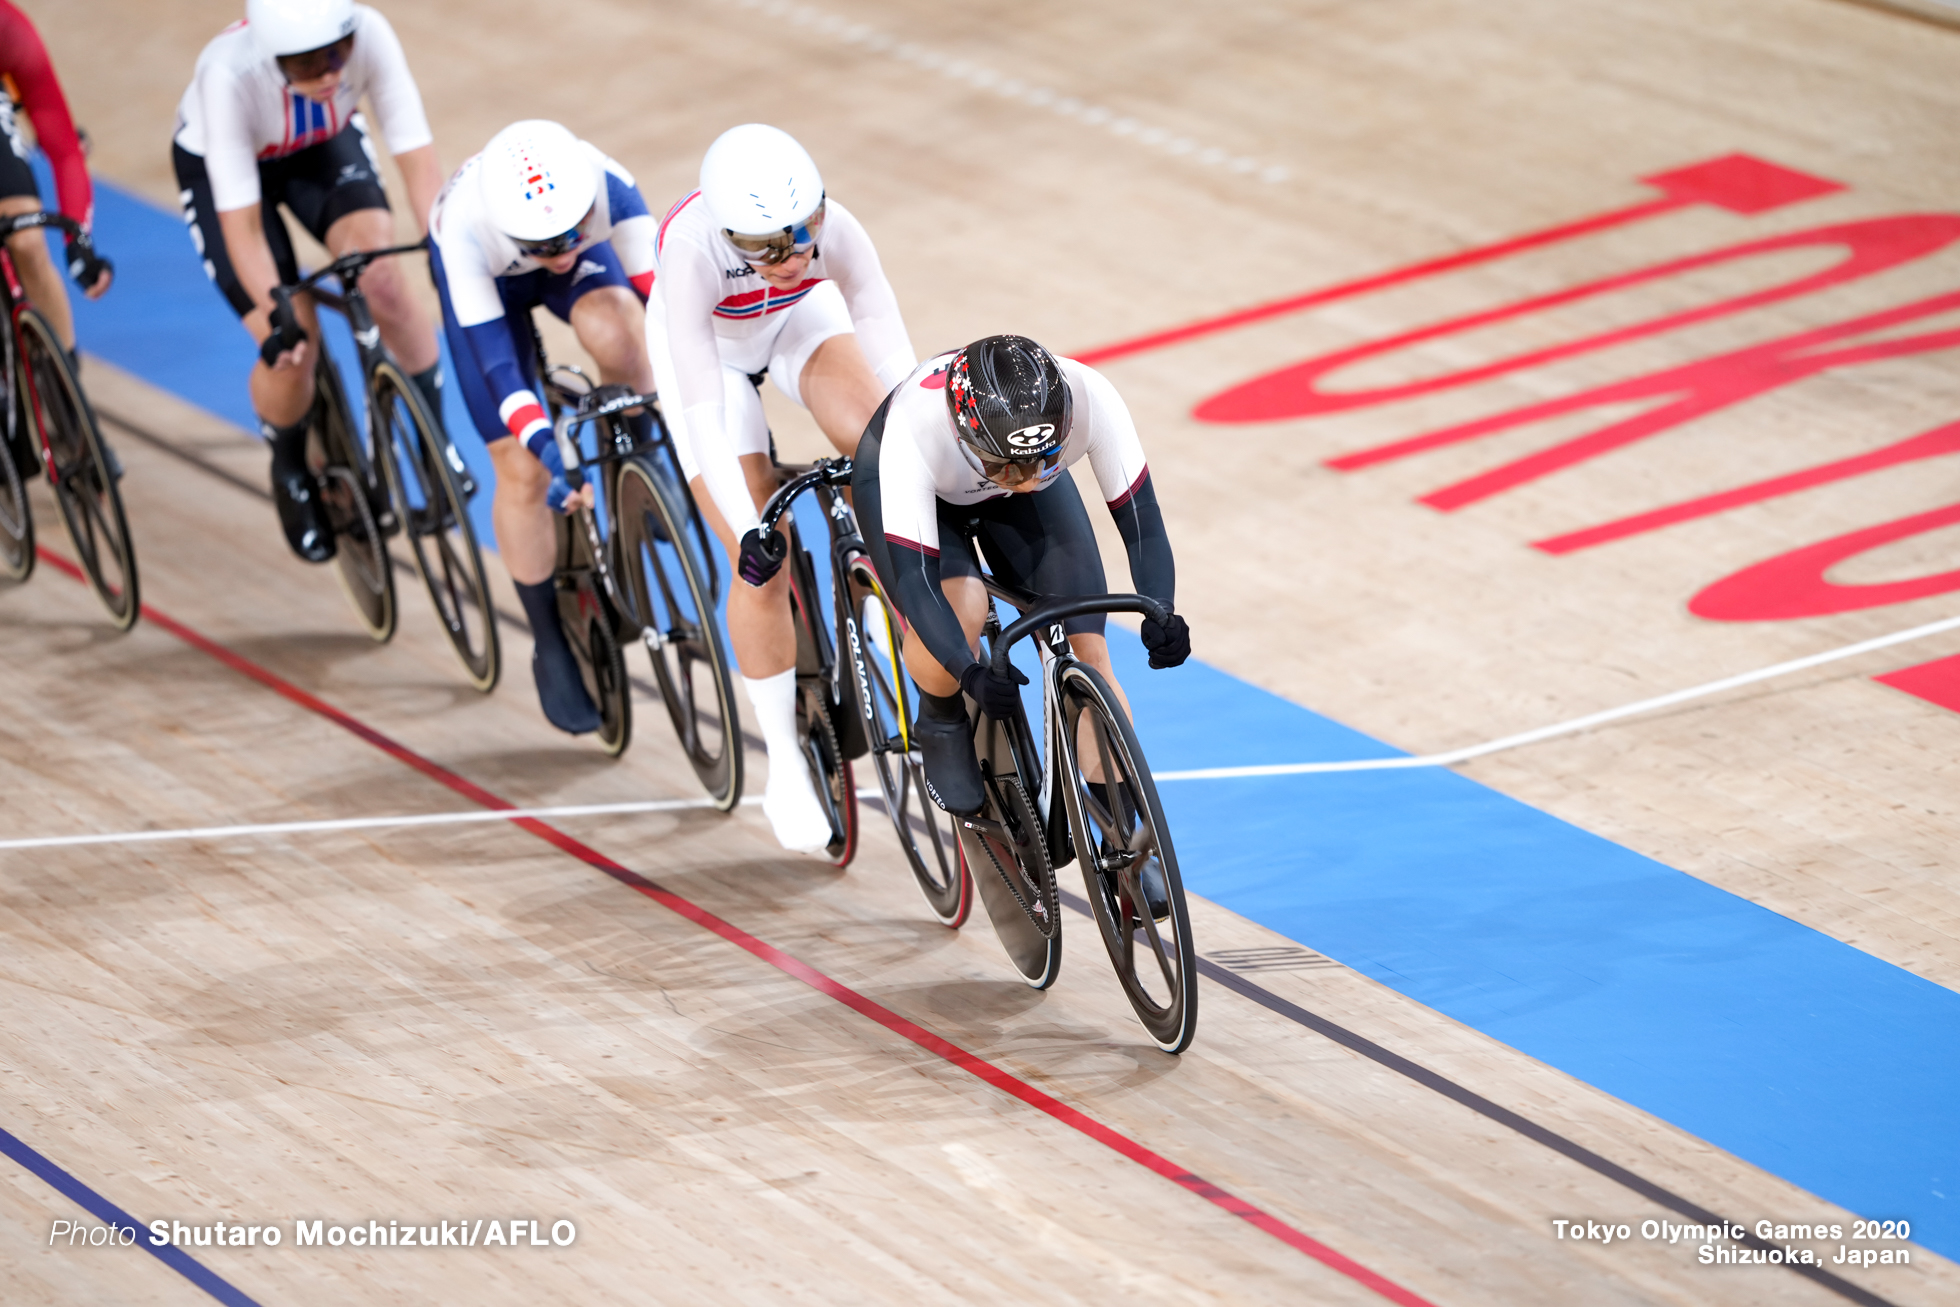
[1788, 586]
[1937, 682]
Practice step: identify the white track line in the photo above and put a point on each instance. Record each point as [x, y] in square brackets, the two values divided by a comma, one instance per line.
[364, 823]
[978, 75]
[1453, 756]
[1447, 759]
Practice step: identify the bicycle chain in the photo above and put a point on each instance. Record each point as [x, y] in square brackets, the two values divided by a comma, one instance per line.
[1051, 896]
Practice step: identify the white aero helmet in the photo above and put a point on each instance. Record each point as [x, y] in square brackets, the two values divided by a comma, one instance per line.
[537, 183]
[763, 191]
[283, 27]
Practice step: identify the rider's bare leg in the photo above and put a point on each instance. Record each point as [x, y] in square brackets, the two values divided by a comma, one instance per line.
[612, 326]
[840, 390]
[758, 617]
[764, 634]
[406, 327]
[526, 538]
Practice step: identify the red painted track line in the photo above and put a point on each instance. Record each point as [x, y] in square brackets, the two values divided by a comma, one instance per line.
[971, 1063]
[1412, 272]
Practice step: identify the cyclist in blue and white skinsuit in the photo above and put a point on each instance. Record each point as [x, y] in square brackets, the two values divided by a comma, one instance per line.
[540, 217]
[759, 271]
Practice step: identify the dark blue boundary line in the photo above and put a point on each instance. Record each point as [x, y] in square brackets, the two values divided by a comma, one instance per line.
[103, 1210]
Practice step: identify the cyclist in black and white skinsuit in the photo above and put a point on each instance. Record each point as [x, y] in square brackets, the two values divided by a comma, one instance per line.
[270, 118]
[759, 271]
[984, 437]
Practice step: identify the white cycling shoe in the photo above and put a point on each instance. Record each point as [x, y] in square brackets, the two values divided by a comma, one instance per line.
[790, 803]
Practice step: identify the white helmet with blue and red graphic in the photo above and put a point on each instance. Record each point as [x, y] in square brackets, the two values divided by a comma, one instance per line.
[283, 27]
[763, 191]
[537, 181]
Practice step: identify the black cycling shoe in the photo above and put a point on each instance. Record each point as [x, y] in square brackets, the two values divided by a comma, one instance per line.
[301, 514]
[952, 772]
[561, 691]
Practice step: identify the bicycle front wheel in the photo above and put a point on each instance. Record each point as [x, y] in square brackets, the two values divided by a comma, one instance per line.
[664, 576]
[1128, 864]
[435, 515]
[82, 478]
[356, 501]
[883, 698]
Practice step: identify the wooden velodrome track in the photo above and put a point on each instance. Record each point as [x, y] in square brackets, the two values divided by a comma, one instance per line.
[468, 1022]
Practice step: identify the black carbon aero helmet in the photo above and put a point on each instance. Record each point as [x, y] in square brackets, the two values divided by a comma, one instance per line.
[1010, 404]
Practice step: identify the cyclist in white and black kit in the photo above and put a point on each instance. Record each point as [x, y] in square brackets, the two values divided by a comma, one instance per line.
[540, 217]
[980, 439]
[762, 272]
[270, 118]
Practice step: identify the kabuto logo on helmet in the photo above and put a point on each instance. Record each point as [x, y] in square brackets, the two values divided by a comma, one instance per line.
[1033, 437]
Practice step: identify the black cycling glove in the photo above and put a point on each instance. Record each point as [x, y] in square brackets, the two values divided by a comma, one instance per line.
[286, 334]
[1169, 643]
[85, 266]
[762, 555]
[997, 695]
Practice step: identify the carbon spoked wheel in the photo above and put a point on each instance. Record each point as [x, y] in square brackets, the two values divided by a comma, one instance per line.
[84, 485]
[1009, 860]
[1124, 845]
[16, 518]
[884, 704]
[435, 517]
[356, 501]
[661, 563]
[588, 623]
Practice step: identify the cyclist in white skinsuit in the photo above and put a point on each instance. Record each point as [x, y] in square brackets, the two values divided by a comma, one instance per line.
[269, 119]
[758, 271]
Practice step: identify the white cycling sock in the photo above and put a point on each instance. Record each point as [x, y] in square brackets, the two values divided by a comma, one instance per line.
[788, 800]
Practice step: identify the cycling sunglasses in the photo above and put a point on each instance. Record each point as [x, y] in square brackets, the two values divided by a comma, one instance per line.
[563, 243]
[310, 65]
[778, 246]
[1003, 472]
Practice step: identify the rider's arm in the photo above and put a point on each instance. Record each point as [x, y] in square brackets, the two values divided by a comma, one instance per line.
[1116, 457]
[422, 177]
[853, 264]
[905, 503]
[232, 165]
[633, 228]
[470, 292]
[27, 63]
[397, 105]
[251, 262]
[691, 287]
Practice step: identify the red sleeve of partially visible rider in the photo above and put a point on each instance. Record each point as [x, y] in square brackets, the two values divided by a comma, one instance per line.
[25, 59]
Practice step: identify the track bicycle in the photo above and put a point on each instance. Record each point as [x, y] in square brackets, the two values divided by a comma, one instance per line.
[637, 565]
[1088, 796]
[402, 478]
[853, 697]
[50, 426]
